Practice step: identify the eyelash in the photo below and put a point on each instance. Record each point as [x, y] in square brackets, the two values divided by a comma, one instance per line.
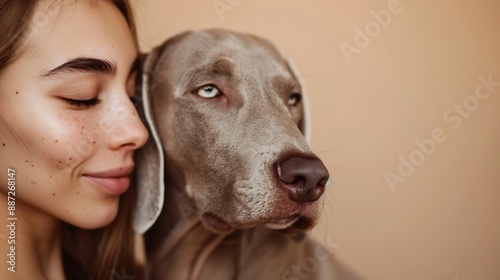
[83, 103]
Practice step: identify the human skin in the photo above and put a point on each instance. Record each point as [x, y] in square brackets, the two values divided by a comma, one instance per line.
[65, 152]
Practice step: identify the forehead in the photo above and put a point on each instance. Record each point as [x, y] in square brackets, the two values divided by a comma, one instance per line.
[238, 53]
[63, 29]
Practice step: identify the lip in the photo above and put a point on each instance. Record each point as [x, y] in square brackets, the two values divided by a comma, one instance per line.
[114, 181]
[282, 223]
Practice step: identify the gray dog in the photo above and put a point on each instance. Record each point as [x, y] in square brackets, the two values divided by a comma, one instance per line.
[226, 115]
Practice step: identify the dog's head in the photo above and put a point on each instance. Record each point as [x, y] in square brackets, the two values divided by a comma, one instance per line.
[228, 110]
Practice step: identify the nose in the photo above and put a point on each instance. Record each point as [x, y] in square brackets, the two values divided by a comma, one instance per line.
[303, 178]
[127, 129]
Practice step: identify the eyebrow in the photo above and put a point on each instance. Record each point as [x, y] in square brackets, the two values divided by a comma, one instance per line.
[222, 67]
[285, 83]
[84, 65]
[219, 68]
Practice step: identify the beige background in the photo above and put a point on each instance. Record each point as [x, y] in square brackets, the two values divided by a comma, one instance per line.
[443, 221]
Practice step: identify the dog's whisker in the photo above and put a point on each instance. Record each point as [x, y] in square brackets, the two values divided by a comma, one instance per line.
[328, 216]
[337, 203]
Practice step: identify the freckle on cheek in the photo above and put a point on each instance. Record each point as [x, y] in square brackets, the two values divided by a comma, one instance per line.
[56, 141]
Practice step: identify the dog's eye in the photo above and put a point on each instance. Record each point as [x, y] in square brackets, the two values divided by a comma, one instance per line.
[294, 99]
[208, 91]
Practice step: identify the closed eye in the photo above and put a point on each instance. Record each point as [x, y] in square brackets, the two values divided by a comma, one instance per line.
[82, 104]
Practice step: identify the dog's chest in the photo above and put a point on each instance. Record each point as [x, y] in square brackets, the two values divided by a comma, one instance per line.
[181, 262]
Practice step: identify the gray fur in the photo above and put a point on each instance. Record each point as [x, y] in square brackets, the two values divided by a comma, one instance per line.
[220, 156]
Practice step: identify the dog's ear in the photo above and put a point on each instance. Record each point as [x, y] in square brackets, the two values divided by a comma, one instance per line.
[149, 178]
[305, 121]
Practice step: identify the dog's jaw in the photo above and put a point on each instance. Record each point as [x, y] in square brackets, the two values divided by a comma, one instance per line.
[296, 218]
[216, 224]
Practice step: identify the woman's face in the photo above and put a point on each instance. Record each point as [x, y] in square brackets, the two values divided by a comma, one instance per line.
[67, 125]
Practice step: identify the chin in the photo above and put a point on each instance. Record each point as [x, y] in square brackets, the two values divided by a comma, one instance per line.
[95, 218]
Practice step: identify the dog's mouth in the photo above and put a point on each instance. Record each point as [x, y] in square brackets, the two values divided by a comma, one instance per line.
[282, 223]
[284, 216]
[296, 221]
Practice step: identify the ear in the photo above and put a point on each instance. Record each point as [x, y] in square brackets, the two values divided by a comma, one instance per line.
[149, 177]
[305, 121]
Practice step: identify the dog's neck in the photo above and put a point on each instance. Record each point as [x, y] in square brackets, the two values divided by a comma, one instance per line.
[178, 210]
[180, 236]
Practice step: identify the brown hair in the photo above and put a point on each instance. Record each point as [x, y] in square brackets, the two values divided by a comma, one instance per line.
[15, 18]
[14, 25]
[100, 254]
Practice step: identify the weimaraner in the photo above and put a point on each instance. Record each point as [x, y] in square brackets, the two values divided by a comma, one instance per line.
[225, 111]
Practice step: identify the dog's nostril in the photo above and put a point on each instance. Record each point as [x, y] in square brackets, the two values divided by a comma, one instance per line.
[303, 178]
[299, 180]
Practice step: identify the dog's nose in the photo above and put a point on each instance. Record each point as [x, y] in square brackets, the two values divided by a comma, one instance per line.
[303, 178]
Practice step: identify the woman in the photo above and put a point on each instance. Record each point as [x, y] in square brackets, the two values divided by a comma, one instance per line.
[68, 130]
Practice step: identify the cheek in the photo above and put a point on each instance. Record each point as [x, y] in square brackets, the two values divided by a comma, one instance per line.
[79, 139]
[64, 142]
[47, 149]
[47, 156]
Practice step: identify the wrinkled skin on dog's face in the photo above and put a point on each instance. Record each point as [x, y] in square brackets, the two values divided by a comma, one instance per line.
[227, 108]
